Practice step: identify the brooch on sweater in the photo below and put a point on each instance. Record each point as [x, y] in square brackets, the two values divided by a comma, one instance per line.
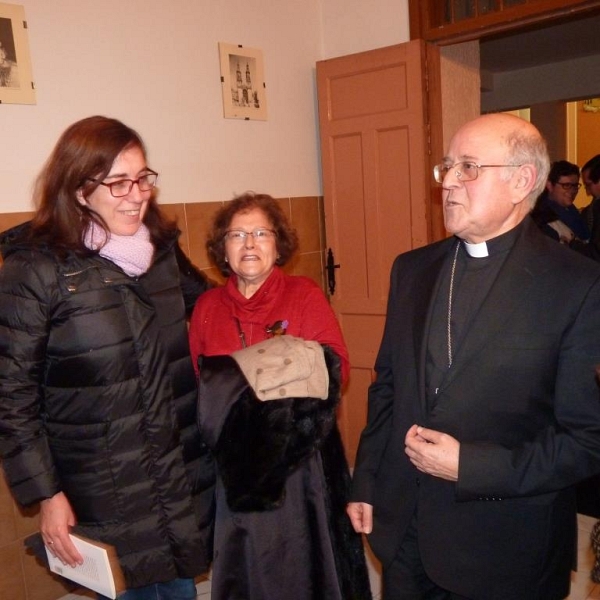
[278, 328]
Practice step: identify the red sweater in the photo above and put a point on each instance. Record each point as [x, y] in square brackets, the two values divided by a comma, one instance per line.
[221, 314]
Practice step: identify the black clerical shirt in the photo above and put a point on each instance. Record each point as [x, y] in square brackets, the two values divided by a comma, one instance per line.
[473, 279]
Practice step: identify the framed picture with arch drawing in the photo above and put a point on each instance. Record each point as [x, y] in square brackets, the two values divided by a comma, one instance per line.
[16, 80]
[243, 82]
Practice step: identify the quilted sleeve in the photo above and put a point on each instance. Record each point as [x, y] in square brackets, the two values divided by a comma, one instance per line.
[24, 326]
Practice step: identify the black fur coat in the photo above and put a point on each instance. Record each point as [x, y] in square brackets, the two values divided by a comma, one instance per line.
[281, 528]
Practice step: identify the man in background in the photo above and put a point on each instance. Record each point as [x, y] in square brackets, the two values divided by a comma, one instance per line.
[590, 175]
[554, 211]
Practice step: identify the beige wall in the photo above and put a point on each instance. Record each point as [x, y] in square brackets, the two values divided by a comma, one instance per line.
[460, 84]
[155, 65]
[351, 26]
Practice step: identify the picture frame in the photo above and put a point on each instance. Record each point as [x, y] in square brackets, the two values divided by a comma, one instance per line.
[16, 81]
[243, 82]
[591, 105]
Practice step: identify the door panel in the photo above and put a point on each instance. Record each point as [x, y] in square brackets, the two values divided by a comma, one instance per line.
[367, 86]
[376, 183]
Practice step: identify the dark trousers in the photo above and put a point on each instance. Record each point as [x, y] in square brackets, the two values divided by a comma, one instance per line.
[405, 577]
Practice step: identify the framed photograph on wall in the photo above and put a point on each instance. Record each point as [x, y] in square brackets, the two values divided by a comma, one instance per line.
[16, 81]
[591, 105]
[243, 82]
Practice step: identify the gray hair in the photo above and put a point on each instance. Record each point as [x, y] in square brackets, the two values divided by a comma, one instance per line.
[529, 147]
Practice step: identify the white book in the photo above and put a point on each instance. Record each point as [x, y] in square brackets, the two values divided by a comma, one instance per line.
[96, 572]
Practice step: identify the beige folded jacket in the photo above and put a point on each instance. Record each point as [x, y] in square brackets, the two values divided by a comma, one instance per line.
[285, 367]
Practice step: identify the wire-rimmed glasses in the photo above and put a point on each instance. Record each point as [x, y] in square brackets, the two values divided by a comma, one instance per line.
[463, 171]
[122, 187]
[259, 235]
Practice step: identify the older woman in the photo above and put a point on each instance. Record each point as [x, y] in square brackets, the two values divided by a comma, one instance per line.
[97, 389]
[280, 529]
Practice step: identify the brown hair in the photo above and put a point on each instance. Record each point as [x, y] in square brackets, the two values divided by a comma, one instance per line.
[82, 157]
[286, 240]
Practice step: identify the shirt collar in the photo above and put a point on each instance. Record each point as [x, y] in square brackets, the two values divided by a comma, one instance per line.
[495, 245]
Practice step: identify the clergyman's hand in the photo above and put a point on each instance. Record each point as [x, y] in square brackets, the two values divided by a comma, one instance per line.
[361, 516]
[433, 452]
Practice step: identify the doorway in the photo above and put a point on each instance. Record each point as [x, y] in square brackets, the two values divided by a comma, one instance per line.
[550, 75]
[553, 73]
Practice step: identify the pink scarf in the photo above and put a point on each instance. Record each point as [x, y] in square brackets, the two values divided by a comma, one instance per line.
[133, 253]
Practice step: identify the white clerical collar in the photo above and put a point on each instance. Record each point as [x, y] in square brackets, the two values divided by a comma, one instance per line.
[476, 250]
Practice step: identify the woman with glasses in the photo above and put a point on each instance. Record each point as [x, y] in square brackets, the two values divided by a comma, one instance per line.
[97, 389]
[282, 479]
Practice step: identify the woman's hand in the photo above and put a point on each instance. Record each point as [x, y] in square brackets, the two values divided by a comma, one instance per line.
[56, 519]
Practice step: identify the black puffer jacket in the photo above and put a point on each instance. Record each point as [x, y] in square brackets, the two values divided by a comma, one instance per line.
[97, 399]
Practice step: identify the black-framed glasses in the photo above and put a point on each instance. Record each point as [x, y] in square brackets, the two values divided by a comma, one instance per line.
[259, 235]
[463, 170]
[569, 186]
[122, 187]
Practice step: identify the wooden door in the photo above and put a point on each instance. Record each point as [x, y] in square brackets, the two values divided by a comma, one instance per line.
[374, 131]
